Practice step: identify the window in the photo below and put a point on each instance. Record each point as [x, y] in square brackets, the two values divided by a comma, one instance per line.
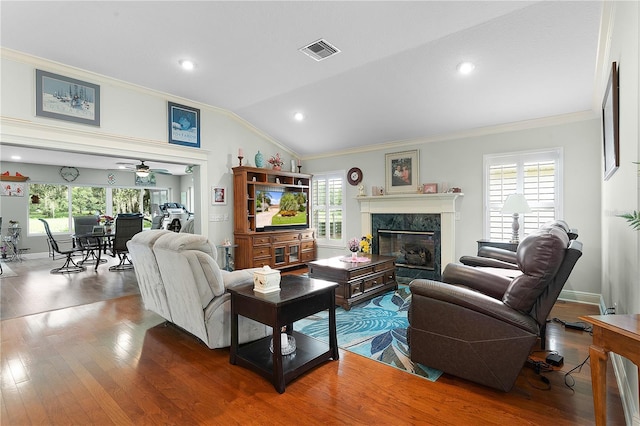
[328, 209]
[60, 203]
[53, 207]
[537, 175]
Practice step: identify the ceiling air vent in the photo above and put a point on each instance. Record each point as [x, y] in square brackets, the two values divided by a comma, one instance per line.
[320, 50]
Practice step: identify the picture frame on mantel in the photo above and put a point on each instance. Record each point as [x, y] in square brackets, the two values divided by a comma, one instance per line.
[184, 125]
[402, 172]
[66, 98]
[610, 122]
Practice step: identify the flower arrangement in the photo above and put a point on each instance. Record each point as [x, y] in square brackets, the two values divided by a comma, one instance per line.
[353, 244]
[276, 161]
[365, 243]
[107, 220]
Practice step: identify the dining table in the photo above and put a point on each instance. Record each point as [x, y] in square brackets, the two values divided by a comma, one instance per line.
[103, 239]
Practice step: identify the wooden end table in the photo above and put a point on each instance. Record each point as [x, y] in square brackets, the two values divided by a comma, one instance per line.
[359, 281]
[611, 333]
[298, 298]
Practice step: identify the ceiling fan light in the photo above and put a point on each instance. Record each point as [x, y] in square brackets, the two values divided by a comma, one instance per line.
[142, 170]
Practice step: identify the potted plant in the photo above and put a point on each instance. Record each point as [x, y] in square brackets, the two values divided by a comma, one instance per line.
[276, 162]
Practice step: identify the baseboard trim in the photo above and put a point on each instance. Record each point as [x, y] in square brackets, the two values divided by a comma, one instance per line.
[581, 297]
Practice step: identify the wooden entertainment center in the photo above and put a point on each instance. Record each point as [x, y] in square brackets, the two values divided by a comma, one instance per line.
[273, 247]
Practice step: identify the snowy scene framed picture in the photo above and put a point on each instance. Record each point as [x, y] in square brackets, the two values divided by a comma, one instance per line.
[65, 98]
[184, 125]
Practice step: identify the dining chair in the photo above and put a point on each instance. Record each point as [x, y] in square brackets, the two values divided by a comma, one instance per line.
[127, 225]
[83, 228]
[69, 265]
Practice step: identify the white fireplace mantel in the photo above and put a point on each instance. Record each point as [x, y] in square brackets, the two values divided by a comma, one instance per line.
[443, 204]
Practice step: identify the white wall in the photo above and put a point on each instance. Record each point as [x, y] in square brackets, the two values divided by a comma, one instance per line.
[620, 194]
[459, 162]
[133, 125]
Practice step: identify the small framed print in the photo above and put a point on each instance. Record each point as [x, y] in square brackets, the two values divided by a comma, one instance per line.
[184, 125]
[430, 188]
[218, 196]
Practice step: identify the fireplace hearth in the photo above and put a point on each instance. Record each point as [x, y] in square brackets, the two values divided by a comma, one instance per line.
[412, 249]
[413, 239]
[437, 213]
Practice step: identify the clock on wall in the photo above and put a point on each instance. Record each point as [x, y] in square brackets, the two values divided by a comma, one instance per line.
[69, 173]
[354, 176]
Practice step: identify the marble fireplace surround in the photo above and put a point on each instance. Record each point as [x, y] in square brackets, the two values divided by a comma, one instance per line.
[443, 204]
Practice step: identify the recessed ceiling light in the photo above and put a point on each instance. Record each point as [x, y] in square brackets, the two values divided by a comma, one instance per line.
[466, 67]
[16, 157]
[298, 116]
[187, 64]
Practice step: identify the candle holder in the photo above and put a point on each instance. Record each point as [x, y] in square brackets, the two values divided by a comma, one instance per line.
[299, 167]
[240, 157]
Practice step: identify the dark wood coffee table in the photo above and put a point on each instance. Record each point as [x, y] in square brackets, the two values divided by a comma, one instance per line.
[357, 282]
[298, 298]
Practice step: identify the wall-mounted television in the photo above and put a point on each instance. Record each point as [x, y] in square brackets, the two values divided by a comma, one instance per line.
[281, 208]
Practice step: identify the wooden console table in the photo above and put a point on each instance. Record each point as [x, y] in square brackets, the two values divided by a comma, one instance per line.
[611, 333]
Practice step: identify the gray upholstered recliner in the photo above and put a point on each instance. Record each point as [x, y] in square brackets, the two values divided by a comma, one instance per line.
[481, 326]
[196, 293]
[147, 272]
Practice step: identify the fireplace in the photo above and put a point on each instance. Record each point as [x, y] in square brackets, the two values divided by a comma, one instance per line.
[412, 249]
[416, 213]
[413, 239]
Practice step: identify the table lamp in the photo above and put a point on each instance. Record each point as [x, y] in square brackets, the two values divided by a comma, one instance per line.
[515, 204]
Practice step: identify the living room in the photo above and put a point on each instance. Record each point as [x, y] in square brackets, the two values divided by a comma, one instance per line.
[606, 275]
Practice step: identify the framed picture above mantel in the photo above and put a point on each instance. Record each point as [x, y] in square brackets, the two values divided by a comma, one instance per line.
[402, 172]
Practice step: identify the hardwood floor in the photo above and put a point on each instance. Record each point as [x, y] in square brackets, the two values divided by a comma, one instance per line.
[112, 362]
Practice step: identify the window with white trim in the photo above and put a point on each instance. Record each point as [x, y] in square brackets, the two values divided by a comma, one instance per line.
[327, 194]
[537, 175]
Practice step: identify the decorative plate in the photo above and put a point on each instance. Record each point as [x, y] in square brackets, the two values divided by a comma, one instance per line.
[354, 176]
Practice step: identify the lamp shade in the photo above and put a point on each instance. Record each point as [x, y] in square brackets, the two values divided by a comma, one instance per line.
[516, 203]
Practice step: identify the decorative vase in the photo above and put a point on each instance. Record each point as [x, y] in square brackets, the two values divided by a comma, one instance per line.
[259, 159]
[354, 256]
[277, 167]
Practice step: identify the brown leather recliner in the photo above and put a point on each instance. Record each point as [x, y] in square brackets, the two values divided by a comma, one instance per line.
[495, 257]
[481, 326]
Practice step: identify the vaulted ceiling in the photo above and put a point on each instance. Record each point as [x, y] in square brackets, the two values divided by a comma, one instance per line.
[394, 79]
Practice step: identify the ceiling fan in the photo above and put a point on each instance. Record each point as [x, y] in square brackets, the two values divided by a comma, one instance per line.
[142, 170]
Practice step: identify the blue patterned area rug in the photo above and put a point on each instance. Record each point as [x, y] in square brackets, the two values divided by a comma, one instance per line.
[376, 329]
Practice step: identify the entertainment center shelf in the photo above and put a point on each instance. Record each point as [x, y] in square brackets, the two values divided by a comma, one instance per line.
[264, 234]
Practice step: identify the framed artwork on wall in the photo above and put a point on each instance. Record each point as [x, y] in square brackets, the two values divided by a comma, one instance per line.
[65, 98]
[184, 125]
[149, 180]
[402, 172]
[610, 121]
[218, 196]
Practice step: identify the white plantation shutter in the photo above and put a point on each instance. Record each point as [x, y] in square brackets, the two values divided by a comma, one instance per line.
[328, 209]
[537, 175]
